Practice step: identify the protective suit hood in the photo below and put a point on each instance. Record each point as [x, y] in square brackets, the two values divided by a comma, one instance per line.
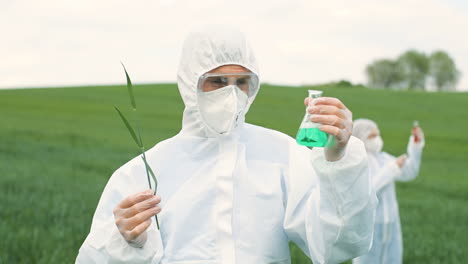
[362, 128]
[205, 49]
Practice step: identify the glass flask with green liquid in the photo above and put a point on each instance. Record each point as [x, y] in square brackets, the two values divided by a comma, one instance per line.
[309, 135]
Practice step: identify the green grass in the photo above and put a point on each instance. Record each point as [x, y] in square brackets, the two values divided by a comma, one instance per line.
[59, 146]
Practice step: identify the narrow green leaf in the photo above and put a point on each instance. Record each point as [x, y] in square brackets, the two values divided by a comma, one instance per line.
[130, 129]
[130, 88]
[148, 167]
[139, 137]
[147, 172]
[154, 178]
[136, 138]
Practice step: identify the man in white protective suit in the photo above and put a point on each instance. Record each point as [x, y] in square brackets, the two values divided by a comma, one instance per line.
[385, 169]
[231, 192]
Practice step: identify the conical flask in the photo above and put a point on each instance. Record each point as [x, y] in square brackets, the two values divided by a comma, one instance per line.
[309, 135]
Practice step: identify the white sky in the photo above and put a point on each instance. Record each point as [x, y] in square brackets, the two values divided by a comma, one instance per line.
[63, 42]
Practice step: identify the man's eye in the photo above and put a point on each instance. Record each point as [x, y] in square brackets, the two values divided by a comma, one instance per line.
[217, 81]
[242, 82]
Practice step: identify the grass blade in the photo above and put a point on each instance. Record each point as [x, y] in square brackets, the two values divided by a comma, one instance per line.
[142, 147]
[130, 88]
[136, 138]
[154, 178]
[148, 167]
[147, 171]
[129, 127]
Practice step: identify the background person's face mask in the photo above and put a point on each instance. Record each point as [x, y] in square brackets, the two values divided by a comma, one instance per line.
[374, 145]
[222, 109]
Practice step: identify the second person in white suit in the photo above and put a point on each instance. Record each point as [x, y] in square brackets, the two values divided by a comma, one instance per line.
[385, 169]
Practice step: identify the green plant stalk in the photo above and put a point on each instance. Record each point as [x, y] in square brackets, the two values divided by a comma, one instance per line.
[138, 140]
[148, 169]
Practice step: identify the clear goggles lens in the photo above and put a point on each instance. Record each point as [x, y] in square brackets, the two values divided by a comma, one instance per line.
[246, 81]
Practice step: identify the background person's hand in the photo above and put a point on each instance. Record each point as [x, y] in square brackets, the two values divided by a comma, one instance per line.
[400, 161]
[336, 120]
[419, 133]
[133, 216]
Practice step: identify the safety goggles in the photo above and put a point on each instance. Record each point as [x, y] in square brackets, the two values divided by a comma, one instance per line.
[246, 81]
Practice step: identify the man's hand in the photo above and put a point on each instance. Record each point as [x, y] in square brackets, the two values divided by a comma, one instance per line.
[336, 120]
[133, 216]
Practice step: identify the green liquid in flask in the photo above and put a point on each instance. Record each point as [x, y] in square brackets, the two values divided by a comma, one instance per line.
[311, 137]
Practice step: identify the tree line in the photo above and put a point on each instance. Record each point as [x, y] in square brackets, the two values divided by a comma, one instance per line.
[414, 70]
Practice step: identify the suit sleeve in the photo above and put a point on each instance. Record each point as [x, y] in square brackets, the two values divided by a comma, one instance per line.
[330, 207]
[410, 169]
[387, 173]
[104, 243]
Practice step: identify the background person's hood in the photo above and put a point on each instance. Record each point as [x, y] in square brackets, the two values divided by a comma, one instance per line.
[204, 50]
[362, 128]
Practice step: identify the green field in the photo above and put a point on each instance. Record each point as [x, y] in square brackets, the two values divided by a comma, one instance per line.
[58, 147]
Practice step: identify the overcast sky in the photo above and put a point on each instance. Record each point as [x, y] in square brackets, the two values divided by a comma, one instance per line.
[62, 42]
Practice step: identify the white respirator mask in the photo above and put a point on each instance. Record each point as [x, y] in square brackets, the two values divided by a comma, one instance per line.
[223, 99]
[374, 145]
[223, 109]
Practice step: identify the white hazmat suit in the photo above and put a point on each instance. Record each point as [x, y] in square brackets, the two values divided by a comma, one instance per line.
[238, 197]
[387, 247]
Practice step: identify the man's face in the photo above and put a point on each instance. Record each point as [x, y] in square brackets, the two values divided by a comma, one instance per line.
[235, 75]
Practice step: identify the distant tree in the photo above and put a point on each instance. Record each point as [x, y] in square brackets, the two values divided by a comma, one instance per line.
[384, 74]
[443, 71]
[344, 84]
[415, 68]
